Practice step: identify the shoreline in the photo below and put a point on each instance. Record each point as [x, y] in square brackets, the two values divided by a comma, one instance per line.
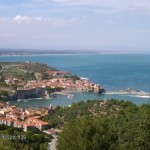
[63, 93]
[70, 95]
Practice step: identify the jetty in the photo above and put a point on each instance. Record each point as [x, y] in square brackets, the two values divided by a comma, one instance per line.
[127, 92]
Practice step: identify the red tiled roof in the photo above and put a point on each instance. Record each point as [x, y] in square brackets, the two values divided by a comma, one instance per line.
[28, 124]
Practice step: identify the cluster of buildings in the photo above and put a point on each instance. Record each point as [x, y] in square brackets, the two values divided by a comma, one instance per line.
[38, 88]
[24, 118]
[65, 83]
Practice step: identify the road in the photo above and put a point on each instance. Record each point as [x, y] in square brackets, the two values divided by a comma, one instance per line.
[53, 143]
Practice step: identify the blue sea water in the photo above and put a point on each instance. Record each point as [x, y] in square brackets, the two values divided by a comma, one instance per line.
[112, 71]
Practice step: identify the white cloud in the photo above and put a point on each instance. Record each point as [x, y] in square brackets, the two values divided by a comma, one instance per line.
[24, 19]
[52, 21]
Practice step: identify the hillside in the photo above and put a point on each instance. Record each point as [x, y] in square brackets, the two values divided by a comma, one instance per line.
[61, 115]
[23, 70]
[102, 125]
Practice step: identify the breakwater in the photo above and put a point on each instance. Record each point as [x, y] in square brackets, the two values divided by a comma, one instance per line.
[127, 92]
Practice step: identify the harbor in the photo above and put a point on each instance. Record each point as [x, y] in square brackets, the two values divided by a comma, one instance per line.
[68, 94]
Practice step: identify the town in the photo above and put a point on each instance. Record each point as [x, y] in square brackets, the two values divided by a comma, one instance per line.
[30, 80]
[37, 88]
[24, 118]
[33, 80]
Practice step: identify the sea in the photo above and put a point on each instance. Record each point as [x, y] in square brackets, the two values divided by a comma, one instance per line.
[111, 71]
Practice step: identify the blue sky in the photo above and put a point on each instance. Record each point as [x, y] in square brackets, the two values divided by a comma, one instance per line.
[75, 24]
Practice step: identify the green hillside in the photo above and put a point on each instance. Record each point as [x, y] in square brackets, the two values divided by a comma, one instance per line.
[102, 125]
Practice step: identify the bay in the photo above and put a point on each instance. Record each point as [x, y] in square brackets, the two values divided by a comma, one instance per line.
[111, 71]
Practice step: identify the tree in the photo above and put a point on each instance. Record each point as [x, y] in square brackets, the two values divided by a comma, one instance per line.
[87, 134]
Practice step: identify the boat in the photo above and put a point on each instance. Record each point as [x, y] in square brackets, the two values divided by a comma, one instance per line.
[8, 103]
[19, 100]
[70, 96]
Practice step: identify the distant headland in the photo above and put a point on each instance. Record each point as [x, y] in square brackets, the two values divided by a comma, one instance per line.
[24, 52]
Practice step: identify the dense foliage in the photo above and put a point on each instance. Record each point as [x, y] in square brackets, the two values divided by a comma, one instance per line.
[60, 116]
[74, 77]
[99, 125]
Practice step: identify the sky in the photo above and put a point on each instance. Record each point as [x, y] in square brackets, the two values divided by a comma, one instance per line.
[75, 24]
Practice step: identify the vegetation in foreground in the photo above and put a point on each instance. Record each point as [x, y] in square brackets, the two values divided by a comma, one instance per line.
[14, 138]
[91, 125]
[61, 116]
[100, 125]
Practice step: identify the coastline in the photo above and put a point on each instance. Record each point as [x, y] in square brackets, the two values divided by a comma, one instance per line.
[64, 101]
[52, 95]
[111, 92]
[70, 94]
[128, 92]
[70, 54]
